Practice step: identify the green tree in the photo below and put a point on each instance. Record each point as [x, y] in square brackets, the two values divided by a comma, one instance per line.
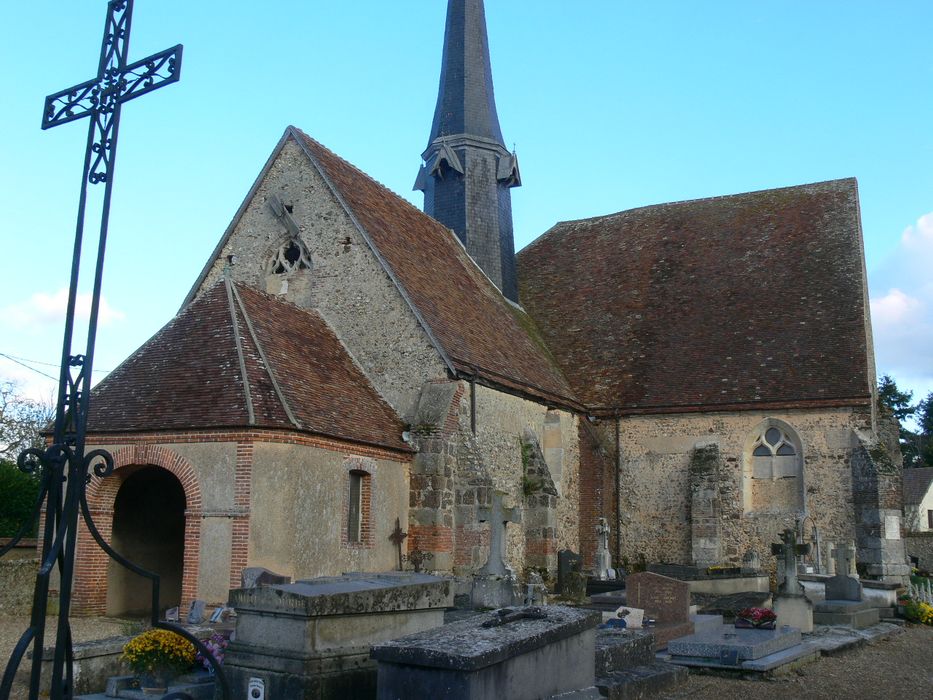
[20, 491]
[899, 403]
[925, 431]
[895, 399]
[21, 421]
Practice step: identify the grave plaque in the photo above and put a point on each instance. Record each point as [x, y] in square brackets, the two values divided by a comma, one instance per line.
[196, 612]
[663, 598]
[567, 561]
[667, 600]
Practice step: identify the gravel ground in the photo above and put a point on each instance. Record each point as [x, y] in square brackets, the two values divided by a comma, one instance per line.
[82, 630]
[900, 667]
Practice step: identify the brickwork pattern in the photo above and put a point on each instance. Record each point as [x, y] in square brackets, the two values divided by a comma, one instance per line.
[242, 480]
[367, 470]
[92, 563]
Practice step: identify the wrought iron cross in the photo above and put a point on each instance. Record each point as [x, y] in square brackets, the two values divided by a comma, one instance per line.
[100, 100]
[397, 537]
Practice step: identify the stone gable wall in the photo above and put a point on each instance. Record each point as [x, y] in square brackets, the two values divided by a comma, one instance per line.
[656, 497]
[347, 285]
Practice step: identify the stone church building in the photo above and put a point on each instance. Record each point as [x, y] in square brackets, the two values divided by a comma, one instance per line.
[699, 373]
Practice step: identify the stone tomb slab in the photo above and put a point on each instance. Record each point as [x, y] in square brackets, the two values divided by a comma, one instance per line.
[857, 614]
[311, 639]
[729, 645]
[519, 660]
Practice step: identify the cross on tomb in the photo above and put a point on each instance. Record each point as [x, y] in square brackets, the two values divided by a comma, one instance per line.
[842, 556]
[790, 550]
[397, 537]
[494, 515]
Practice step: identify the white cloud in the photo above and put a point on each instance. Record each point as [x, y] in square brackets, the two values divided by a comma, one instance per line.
[895, 309]
[902, 315]
[42, 310]
[919, 237]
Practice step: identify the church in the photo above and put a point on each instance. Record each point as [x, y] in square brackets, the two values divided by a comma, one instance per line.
[700, 374]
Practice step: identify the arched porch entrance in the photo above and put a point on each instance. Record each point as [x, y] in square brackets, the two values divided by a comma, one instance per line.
[149, 530]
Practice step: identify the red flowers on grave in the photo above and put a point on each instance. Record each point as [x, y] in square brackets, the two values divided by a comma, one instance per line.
[756, 618]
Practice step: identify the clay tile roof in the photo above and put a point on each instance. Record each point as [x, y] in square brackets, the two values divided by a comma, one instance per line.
[746, 299]
[188, 376]
[479, 331]
[916, 484]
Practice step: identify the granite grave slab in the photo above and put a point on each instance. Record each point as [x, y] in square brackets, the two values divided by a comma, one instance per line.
[729, 642]
[666, 600]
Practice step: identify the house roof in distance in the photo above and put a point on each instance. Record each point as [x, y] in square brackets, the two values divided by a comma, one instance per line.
[473, 326]
[190, 375]
[917, 483]
[728, 302]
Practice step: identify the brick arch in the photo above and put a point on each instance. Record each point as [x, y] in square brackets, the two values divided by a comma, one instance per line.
[90, 583]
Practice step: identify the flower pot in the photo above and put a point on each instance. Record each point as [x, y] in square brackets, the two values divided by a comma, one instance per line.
[154, 684]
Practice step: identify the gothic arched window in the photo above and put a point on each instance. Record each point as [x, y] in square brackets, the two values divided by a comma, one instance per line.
[289, 257]
[773, 480]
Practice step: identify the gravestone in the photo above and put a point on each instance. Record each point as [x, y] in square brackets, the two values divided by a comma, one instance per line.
[751, 562]
[603, 558]
[254, 576]
[196, 612]
[311, 639]
[527, 658]
[790, 605]
[664, 599]
[494, 585]
[567, 562]
[844, 604]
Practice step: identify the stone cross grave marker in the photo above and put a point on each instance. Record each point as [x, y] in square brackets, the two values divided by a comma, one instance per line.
[665, 599]
[843, 586]
[843, 557]
[397, 537]
[603, 559]
[498, 518]
[790, 550]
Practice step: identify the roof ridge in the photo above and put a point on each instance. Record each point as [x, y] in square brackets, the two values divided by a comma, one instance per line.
[241, 358]
[684, 202]
[280, 394]
[370, 178]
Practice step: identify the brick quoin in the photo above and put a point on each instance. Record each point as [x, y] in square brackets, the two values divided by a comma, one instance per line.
[92, 563]
[242, 481]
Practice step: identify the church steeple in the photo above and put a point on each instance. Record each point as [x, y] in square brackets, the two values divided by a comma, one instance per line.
[467, 171]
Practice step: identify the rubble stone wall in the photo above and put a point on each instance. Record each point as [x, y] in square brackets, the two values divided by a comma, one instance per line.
[656, 499]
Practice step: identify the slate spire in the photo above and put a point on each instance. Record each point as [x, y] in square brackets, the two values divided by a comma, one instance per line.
[468, 172]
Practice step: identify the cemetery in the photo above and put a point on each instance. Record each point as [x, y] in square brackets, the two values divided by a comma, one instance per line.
[354, 465]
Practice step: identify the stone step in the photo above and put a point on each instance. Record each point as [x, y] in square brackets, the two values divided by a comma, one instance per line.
[619, 649]
[640, 681]
[859, 619]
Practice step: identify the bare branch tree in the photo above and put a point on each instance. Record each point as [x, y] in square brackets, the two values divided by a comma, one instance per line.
[21, 421]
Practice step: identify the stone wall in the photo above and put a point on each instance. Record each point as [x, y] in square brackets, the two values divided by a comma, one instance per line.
[657, 501]
[457, 471]
[346, 285]
[919, 545]
[17, 580]
[299, 500]
[253, 498]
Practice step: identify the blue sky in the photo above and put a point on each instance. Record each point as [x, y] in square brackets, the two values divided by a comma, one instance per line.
[610, 104]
